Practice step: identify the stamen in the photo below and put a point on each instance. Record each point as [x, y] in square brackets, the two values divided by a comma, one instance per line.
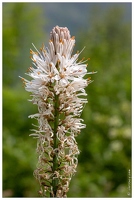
[73, 37]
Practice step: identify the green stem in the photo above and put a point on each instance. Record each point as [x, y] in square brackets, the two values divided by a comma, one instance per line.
[56, 122]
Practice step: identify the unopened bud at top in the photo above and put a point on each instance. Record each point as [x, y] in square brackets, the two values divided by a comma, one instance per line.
[59, 34]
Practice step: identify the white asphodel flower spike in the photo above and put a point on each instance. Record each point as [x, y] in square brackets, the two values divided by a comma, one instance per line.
[57, 87]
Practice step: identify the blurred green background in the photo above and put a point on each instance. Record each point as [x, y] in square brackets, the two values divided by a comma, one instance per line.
[105, 144]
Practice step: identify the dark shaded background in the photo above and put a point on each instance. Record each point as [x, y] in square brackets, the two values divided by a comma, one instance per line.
[105, 144]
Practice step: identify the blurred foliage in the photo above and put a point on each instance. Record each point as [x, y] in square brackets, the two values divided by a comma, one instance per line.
[20, 23]
[105, 144]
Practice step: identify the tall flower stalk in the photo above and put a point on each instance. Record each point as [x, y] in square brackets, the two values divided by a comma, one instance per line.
[57, 87]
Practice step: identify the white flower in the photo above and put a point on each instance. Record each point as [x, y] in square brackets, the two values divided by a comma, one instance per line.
[58, 88]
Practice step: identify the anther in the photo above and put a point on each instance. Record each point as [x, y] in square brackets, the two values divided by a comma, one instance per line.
[73, 37]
